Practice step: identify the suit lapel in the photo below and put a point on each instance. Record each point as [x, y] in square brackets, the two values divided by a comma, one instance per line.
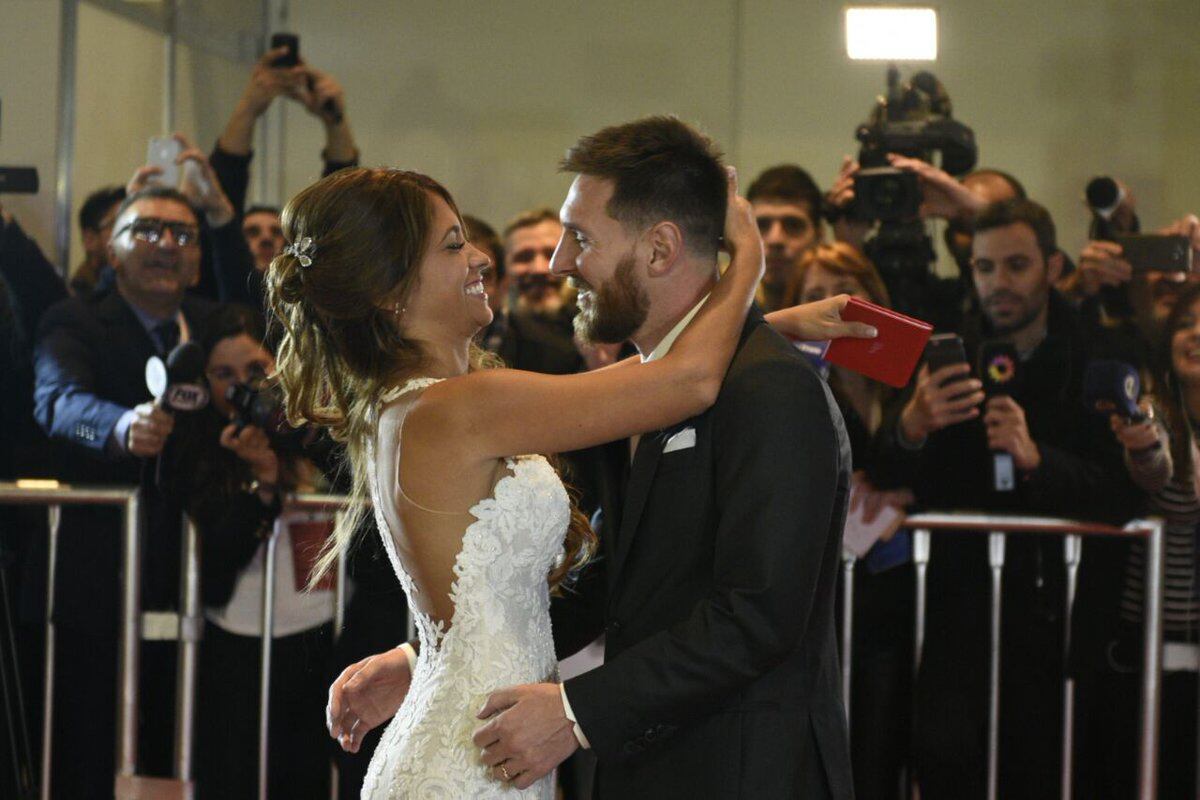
[641, 478]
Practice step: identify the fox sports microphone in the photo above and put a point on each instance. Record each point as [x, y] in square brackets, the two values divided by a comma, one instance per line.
[998, 373]
[176, 384]
[1113, 387]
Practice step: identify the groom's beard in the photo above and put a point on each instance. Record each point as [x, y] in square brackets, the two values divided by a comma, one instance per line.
[614, 312]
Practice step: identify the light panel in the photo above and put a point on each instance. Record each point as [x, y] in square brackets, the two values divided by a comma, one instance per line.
[890, 33]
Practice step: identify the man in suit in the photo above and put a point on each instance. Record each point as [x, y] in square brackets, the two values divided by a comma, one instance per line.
[91, 399]
[722, 538]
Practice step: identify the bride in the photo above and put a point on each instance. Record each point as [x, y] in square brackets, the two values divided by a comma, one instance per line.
[379, 296]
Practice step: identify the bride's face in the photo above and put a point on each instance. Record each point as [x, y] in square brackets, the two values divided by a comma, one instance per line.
[449, 296]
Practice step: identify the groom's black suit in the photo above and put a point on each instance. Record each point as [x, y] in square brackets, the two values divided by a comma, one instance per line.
[715, 591]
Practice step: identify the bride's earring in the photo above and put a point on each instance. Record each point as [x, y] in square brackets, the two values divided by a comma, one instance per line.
[398, 311]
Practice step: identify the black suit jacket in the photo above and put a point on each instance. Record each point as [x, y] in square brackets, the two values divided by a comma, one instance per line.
[715, 592]
[90, 365]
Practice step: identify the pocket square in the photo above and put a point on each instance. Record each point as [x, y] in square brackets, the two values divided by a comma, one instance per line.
[680, 441]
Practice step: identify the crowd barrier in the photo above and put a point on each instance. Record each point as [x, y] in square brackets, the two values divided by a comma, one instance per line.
[190, 621]
[997, 528]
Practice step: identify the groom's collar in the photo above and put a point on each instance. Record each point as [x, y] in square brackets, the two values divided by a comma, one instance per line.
[664, 346]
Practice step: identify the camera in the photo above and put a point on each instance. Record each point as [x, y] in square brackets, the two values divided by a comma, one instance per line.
[913, 119]
[260, 403]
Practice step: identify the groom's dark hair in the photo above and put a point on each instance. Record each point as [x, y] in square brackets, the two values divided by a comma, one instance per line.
[663, 169]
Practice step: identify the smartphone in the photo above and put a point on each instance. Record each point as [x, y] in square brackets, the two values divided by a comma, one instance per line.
[943, 350]
[1154, 251]
[292, 42]
[162, 152]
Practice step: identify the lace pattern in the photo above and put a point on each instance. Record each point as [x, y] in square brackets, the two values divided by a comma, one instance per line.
[499, 635]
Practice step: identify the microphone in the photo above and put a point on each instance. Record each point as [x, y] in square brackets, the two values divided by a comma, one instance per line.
[1113, 387]
[176, 384]
[998, 373]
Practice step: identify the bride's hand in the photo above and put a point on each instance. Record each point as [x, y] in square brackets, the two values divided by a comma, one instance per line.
[741, 235]
[366, 695]
[819, 320]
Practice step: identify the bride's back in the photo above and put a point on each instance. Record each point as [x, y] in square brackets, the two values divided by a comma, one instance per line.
[426, 502]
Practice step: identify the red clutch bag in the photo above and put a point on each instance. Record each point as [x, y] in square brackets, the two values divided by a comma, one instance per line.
[891, 356]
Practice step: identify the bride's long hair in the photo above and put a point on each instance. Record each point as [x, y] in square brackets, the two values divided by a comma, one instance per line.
[341, 348]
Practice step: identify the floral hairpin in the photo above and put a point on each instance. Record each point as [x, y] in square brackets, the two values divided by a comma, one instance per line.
[302, 250]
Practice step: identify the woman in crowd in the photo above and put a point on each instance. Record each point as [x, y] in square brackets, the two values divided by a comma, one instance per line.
[882, 644]
[234, 479]
[1161, 456]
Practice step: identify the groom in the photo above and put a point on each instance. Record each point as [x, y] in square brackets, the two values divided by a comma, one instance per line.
[722, 538]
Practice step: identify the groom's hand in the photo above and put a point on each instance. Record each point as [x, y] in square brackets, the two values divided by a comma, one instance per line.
[366, 694]
[527, 735]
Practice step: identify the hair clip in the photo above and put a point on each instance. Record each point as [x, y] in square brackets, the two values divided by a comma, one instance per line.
[302, 250]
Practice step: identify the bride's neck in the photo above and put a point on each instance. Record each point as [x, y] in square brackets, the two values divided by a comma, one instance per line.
[447, 359]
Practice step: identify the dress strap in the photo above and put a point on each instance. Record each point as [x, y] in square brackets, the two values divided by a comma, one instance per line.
[411, 385]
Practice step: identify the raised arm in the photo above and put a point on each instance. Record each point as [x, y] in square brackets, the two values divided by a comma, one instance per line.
[530, 413]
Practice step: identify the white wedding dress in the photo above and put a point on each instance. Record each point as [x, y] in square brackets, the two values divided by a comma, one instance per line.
[499, 635]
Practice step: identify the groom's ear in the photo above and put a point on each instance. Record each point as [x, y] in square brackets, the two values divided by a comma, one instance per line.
[665, 240]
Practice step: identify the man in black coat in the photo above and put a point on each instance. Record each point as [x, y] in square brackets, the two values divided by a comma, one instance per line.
[91, 399]
[943, 439]
[722, 539]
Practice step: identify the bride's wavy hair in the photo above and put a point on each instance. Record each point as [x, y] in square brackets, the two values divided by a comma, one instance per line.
[340, 348]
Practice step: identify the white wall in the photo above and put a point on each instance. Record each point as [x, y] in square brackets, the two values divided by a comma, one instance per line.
[487, 96]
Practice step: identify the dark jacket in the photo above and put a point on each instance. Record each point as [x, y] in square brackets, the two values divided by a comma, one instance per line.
[715, 592]
[90, 365]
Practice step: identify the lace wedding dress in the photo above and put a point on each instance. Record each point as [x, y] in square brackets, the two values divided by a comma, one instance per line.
[499, 635]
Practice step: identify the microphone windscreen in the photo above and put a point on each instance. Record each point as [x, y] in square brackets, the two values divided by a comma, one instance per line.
[185, 364]
[998, 368]
[1103, 194]
[1112, 387]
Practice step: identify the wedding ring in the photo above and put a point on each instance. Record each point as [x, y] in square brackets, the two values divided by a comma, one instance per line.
[504, 772]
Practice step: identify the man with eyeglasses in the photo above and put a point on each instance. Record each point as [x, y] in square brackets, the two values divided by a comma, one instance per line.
[787, 205]
[91, 399]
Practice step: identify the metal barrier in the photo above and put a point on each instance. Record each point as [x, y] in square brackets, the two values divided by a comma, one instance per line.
[54, 496]
[997, 527]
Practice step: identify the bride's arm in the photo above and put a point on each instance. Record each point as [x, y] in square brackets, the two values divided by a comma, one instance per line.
[507, 412]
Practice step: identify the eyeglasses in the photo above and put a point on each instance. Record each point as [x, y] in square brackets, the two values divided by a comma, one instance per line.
[793, 225]
[527, 254]
[150, 230]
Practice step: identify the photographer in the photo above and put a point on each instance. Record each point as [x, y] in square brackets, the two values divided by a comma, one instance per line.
[231, 476]
[322, 96]
[949, 445]
[1160, 454]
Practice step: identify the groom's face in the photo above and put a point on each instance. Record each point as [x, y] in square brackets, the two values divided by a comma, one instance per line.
[601, 259]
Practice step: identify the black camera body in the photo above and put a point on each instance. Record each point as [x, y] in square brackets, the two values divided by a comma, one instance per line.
[260, 403]
[886, 194]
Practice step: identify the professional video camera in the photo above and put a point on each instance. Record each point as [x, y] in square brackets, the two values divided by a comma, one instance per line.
[913, 119]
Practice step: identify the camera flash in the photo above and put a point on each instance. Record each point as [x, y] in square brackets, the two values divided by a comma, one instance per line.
[887, 33]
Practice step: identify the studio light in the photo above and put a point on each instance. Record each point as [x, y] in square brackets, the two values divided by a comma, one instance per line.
[891, 33]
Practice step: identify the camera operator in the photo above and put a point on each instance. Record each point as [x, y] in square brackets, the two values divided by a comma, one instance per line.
[91, 398]
[949, 445]
[1160, 454]
[880, 703]
[232, 470]
[787, 206]
[940, 300]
